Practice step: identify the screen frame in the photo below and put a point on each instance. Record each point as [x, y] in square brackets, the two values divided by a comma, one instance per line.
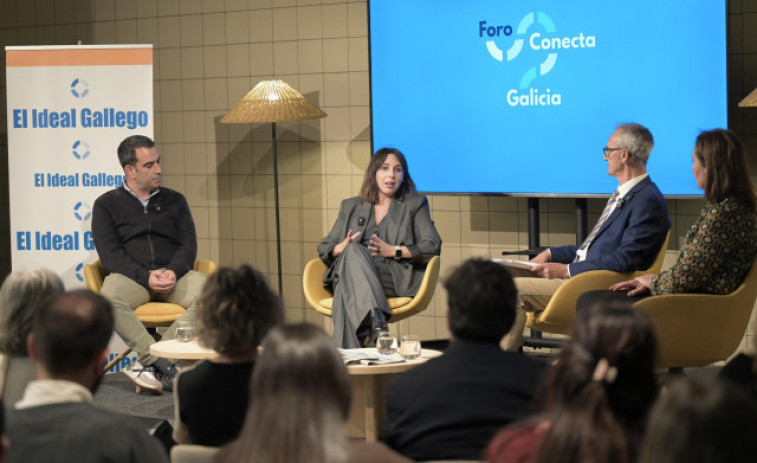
[729, 107]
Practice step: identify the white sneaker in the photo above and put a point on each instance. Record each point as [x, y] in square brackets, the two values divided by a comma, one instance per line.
[145, 378]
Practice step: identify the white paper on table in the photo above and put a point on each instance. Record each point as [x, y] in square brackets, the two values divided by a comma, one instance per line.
[515, 263]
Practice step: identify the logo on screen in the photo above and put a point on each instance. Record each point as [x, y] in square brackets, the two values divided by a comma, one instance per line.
[79, 275]
[529, 96]
[79, 88]
[82, 211]
[80, 149]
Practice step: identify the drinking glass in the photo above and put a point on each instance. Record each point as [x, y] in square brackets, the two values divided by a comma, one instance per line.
[185, 331]
[410, 349]
[386, 343]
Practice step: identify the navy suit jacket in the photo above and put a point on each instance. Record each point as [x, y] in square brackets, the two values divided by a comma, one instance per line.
[631, 237]
[450, 407]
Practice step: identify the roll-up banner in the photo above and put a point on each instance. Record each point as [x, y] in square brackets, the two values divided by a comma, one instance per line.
[68, 109]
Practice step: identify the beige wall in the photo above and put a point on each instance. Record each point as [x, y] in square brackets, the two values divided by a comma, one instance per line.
[210, 53]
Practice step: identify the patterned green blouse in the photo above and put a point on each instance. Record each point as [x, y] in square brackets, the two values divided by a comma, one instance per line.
[716, 254]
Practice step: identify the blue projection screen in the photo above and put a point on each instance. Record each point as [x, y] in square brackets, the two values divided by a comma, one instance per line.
[519, 97]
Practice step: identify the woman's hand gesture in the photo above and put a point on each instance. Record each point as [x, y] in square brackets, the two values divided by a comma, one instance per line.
[339, 248]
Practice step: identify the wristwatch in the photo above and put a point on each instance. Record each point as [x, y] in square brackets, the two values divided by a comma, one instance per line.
[397, 252]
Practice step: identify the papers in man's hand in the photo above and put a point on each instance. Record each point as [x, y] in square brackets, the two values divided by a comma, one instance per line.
[515, 263]
[352, 357]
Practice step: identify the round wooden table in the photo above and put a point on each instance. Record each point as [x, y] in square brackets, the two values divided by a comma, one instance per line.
[369, 383]
[186, 353]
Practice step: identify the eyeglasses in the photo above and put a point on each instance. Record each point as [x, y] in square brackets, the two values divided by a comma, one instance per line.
[606, 150]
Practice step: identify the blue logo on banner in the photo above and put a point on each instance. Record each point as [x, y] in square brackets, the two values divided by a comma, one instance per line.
[79, 88]
[80, 149]
[82, 211]
[79, 268]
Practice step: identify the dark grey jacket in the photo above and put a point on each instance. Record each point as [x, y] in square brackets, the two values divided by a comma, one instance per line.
[409, 224]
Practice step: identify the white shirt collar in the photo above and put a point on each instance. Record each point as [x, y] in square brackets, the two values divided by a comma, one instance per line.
[143, 201]
[626, 187]
[53, 391]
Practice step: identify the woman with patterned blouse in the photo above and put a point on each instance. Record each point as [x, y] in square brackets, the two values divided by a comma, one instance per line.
[721, 246]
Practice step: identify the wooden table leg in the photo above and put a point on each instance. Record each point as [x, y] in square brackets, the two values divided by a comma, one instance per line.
[372, 408]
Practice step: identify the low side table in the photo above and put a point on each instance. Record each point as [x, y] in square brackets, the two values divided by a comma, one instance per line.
[369, 383]
[187, 353]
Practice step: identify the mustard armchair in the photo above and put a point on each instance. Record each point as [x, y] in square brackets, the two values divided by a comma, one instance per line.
[560, 314]
[695, 330]
[401, 307]
[151, 314]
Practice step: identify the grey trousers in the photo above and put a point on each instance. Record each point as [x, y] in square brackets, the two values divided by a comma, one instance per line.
[126, 295]
[357, 290]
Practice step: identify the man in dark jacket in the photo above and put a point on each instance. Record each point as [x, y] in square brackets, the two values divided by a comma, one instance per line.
[145, 237]
[450, 407]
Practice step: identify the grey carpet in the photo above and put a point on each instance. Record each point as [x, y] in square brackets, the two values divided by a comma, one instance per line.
[117, 393]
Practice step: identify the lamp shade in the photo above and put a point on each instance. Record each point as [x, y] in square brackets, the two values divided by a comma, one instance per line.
[272, 101]
[750, 100]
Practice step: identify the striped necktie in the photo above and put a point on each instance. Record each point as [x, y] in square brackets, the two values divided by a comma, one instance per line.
[601, 221]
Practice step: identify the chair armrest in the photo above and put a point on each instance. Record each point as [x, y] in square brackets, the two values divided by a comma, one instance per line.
[560, 313]
[424, 295]
[206, 267]
[93, 276]
[696, 329]
[312, 282]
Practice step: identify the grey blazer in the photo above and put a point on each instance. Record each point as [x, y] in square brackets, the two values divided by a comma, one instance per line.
[409, 224]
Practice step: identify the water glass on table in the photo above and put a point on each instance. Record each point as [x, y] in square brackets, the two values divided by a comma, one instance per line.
[386, 343]
[410, 349]
[185, 331]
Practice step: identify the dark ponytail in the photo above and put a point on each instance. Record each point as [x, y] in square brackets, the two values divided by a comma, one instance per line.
[601, 388]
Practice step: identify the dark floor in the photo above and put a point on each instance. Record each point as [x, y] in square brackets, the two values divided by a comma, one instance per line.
[117, 393]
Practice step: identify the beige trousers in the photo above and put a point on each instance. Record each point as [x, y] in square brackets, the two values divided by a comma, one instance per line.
[534, 294]
[126, 295]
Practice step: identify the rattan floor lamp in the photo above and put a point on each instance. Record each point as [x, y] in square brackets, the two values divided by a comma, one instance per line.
[750, 101]
[273, 101]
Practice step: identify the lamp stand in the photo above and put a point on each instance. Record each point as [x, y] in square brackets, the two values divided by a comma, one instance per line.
[276, 200]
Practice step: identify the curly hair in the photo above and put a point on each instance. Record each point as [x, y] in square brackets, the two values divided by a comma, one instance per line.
[236, 309]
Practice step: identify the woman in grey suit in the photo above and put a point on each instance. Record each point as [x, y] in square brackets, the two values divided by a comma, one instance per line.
[378, 248]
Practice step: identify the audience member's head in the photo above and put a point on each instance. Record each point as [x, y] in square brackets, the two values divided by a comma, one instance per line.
[599, 392]
[235, 311]
[482, 298]
[300, 400]
[697, 423]
[724, 156]
[70, 337]
[21, 295]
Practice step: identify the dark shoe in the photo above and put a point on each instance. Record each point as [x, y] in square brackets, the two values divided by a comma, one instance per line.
[364, 332]
[378, 324]
[165, 372]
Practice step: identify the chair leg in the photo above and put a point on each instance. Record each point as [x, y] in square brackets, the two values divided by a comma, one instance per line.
[115, 361]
